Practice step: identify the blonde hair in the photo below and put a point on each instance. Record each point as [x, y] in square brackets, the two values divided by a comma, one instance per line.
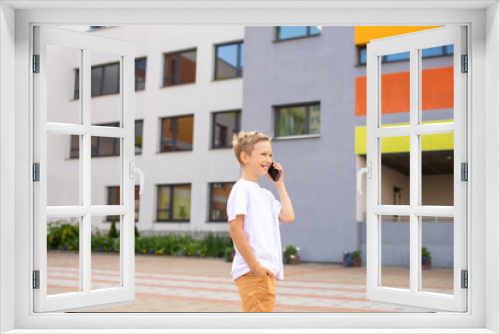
[245, 141]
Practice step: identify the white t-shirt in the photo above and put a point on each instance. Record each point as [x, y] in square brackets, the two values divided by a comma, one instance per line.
[261, 226]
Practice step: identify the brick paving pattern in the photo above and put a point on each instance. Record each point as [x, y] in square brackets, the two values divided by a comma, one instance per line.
[185, 284]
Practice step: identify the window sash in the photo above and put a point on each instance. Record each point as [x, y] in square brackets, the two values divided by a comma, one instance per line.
[475, 322]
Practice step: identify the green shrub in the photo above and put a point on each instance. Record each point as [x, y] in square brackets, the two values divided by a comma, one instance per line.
[289, 251]
[112, 231]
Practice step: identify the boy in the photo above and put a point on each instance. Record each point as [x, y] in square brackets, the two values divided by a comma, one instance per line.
[254, 217]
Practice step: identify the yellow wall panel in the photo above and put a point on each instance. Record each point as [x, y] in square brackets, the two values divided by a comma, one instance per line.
[363, 35]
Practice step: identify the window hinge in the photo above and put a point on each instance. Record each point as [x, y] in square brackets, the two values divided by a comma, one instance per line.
[36, 172]
[36, 63]
[36, 279]
[465, 171]
[465, 279]
[465, 63]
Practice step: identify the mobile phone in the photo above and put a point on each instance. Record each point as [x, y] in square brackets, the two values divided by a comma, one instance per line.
[274, 173]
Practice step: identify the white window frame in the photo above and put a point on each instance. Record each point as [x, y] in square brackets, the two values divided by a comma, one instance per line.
[483, 125]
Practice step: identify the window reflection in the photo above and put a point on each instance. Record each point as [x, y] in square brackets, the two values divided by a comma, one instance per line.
[179, 68]
[225, 125]
[174, 203]
[219, 194]
[229, 61]
[290, 32]
[298, 120]
[177, 134]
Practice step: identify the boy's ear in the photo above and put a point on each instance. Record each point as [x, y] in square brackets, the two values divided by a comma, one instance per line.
[243, 157]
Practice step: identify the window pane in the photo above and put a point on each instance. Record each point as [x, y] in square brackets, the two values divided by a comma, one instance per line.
[395, 254]
[225, 128]
[105, 82]
[163, 203]
[362, 56]
[140, 74]
[242, 52]
[187, 67]
[170, 72]
[136, 201]
[105, 172]
[314, 119]
[138, 136]
[292, 121]
[314, 30]
[105, 257]
[395, 170]
[227, 61]
[449, 49]
[63, 246]
[111, 79]
[75, 147]
[437, 169]
[437, 256]
[167, 141]
[184, 136]
[182, 202]
[292, 32]
[395, 93]
[96, 81]
[63, 186]
[220, 195]
[437, 88]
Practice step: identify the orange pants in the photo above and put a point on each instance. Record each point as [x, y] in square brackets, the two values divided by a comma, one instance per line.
[257, 293]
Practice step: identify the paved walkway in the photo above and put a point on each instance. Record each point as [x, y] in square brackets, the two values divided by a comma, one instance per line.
[185, 284]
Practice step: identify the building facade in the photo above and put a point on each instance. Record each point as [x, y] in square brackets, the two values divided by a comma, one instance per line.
[305, 86]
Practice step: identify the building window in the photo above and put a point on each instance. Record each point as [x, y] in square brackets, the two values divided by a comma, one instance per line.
[229, 61]
[438, 51]
[297, 120]
[283, 33]
[140, 74]
[174, 203]
[105, 79]
[106, 146]
[224, 125]
[114, 199]
[219, 193]
[179, 68]
[177, 134]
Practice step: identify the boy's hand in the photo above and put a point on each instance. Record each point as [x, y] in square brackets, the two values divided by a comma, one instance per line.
[261, 271]
[281, 180]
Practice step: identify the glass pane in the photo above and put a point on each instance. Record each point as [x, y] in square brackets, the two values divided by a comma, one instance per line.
[164, 211]
[167, 139]
[395, 90]
[182, 202]
[395, 255]
[63, 174]
[395, 170]
[437, 84]
[225, 126]
[219, 197]
[187, 67]
[105, 168]
[292, 32]
[136, 203]
[63, 255]
[437, 169]
[227, 61]
[63, 66]
[170, 70]
[314, 119]
[184, 136]
[291, 121]
[437, 254]
[105, 256]
[242, 52]
[105, 88]
[314, 30]
[138, 136]
[140, 74]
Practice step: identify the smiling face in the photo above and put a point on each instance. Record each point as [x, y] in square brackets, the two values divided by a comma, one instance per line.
[261, 159]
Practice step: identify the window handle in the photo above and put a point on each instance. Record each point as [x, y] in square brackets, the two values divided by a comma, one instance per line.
[132, 171]
[367, 170]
